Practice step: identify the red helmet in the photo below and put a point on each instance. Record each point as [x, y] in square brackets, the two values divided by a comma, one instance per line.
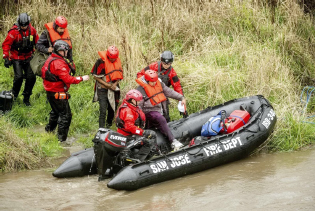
[134, 94]
[61, 22]
[150, 75]
[112, 52]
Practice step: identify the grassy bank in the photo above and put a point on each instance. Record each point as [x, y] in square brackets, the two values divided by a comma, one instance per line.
[223, 50]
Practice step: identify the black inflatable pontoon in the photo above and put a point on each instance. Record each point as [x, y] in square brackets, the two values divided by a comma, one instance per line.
[79, 164]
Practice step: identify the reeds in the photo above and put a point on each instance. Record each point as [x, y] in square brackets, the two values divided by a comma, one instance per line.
[17, 153]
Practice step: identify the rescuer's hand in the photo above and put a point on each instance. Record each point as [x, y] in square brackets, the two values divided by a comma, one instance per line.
[85, 77]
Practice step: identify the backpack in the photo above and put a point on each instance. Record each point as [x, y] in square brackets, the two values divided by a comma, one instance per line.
[214, 125]
[38, 62]
[39, 59]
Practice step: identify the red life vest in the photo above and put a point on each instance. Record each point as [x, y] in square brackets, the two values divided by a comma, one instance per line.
[154, 93]
[113, 70]
[54, 36]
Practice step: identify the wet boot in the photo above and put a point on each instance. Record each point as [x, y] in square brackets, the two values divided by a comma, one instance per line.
[26, 100]
[50, 127]
[53, 122]
[62, 135]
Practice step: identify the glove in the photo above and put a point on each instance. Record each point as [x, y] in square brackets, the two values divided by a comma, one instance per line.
[7, 63]
[184, 114]
[149, 134]
[85, 77]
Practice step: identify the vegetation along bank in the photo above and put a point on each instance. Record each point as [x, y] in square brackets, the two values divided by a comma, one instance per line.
[223, 50]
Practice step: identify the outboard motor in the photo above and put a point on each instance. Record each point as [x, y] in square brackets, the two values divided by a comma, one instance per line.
[107, 146]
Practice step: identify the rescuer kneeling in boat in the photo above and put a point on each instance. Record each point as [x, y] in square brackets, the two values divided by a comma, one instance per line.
[155, 94]
[130, 120]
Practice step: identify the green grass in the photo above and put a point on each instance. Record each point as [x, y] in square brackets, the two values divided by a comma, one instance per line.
[292, 134]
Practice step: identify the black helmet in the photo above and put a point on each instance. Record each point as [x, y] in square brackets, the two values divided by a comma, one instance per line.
[60, 45]
[167, 57]
[23, 19]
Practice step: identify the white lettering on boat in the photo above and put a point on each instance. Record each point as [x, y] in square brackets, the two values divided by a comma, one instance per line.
[177, 161]
[180, 160]
[159, 166]
[270, 116]
[212, 149]
[230, 144]
[227, 145]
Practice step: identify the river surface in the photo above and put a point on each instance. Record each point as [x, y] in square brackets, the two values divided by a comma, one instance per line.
[282, 181]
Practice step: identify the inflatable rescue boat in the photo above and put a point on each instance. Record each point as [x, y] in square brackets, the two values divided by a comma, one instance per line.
[205, 154]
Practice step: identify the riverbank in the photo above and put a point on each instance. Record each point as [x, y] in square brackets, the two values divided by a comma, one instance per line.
[222, 51]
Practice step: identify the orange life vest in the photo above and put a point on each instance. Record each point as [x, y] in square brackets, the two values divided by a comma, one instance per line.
[154, 93]
[113, 70]
[54, 36]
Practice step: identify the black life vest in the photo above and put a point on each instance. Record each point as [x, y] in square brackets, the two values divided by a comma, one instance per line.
[163, 75]
[48, 75]
[27, 43]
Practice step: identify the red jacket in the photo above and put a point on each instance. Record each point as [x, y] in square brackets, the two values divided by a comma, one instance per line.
[12, 45]
[61, 69]
[172, 76]
[132, 119]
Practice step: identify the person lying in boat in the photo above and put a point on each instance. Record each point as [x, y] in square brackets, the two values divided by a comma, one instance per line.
[155, 94]
[130, 120]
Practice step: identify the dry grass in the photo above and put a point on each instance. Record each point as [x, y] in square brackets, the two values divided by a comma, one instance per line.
[15, 153]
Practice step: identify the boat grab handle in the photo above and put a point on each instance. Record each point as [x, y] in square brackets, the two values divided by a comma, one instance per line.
[146, 171]
[200, 154]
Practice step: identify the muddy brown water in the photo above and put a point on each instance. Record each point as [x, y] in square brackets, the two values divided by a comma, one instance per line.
[281, 181]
